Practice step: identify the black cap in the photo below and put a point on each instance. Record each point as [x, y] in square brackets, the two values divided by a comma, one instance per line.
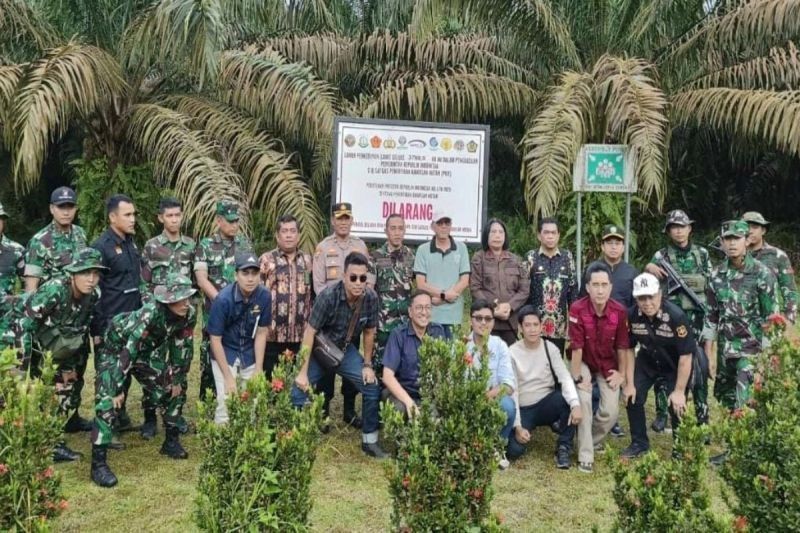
[63, 195]
[247, 260]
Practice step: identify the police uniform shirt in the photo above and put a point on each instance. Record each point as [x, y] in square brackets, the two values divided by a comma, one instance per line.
[119, 285]
[671, 335]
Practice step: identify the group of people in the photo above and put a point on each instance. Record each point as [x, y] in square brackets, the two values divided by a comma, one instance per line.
[560, 353]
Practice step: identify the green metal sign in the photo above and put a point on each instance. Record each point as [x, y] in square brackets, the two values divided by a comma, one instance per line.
[604, 168]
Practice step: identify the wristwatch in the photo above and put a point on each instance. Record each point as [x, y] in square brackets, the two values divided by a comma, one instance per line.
[441, 295]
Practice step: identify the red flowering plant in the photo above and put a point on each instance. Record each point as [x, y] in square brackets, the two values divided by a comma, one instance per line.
[256, 470]
[657, 494]
[762, 470]
[445, 456]
[30, 427]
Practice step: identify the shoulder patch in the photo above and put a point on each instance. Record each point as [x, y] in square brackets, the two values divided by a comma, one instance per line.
[681, 331]
[573, 319]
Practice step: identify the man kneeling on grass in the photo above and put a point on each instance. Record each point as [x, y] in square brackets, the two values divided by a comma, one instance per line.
[154, 344]
[401, 355]
[501, 378]
[546, 394]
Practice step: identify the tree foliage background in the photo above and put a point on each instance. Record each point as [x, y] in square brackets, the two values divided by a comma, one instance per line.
[236, 98]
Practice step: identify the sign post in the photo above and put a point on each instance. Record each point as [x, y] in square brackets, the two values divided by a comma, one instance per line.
[603, 168]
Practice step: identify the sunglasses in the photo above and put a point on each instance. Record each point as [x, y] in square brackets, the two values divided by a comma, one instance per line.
[482, 318]
[362, 278]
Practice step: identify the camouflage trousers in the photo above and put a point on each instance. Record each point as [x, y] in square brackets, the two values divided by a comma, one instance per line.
[699, 394]
[68, 378]
[207, 384]
[734, 385]
[155, 392]
[385, 329]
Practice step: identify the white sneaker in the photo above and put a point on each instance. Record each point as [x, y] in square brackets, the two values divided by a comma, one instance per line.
[502, 462]
[586, 468]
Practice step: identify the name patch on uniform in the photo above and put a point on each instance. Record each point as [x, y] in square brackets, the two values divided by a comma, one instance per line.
[681, 331]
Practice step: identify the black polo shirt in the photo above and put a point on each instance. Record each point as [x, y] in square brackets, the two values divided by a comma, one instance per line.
[671, 336]
[119, 285]
[331, 313]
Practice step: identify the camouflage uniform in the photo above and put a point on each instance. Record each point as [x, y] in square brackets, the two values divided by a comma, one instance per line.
[216, 255]
[778, 263]
[739, 302]
[394, 274]
[50, 250]
[153, 345]
[161, 258]
[12, 264]
[52, 315]
[693, 264]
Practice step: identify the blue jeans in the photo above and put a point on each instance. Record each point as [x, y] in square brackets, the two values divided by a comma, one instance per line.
[551, 408]
[510, 409]
[349, 369]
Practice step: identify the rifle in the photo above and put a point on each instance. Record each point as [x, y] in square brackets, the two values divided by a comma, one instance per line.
[675, 283]
[716, 245]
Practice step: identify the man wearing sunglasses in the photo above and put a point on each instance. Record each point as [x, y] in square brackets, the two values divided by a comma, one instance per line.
[493, 351]
[331, 315]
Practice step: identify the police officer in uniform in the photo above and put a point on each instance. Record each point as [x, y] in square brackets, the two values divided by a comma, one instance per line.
[668, 345]
[328, 269]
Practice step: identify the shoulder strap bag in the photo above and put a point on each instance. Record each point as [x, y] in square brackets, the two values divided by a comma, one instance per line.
[326, 352]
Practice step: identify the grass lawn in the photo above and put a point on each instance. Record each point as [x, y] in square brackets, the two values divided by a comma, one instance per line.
[349, 490]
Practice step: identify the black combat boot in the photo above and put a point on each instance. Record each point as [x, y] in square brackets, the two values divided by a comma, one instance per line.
[76, 424]
[123, 421]
[62, 453]
[172, 445]
[150, 426]
[101, 473]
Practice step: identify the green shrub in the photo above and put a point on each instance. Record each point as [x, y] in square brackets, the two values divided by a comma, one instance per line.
[763, 466]
[655, 494]
[441, 478]
[256, 470]
[30, 426]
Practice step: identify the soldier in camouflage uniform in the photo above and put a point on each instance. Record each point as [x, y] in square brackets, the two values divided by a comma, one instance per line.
[154, 345]
[167, 254]
[776, 260]
[53, 247]
[56, 319]
[12, 264]
[740, 299]
[215, 269]
[394, 275]
[693, 265]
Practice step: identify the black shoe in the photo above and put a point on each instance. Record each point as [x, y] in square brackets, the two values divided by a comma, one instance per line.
[352, 419]
[123, 421]
[183, 426]
[563, 461]
[172, 445]
[150, 427]
[374, 450]
[633, 451]
[719, 460]
[76, 424]
[325, 428]
[101, 473]
[659, 424]
[555, 427]
[617, 431]
[63, 454]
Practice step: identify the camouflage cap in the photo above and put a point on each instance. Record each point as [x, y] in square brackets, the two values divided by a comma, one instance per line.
[754, 217]
[735, 228]
[86, 259]
[677, 217]
[177, 287]
[3, 213]
[613, 230]
[228, 210]
[342, 209]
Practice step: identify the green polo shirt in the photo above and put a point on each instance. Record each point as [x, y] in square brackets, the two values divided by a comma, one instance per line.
[442, 269]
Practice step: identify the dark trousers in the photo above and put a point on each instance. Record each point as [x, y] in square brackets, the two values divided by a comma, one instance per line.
[327, 386]
[551, 408]
[273, 352]
[644, 377]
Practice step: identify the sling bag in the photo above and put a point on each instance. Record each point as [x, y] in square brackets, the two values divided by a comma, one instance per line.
[326, 352]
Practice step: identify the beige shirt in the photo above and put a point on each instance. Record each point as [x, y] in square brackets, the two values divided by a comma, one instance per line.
[329, 256]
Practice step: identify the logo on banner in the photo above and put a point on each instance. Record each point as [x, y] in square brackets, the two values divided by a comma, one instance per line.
[472, 147]
[350, 140]
[363, 142]
[376, 141]
[433, 143]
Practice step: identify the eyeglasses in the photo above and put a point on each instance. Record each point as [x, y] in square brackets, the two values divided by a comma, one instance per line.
[427, 308]
[482, 318]
[362, 278]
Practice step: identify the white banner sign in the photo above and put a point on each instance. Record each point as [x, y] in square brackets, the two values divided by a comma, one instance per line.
[413, 169]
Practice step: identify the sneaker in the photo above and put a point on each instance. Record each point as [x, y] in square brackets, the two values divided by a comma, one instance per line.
[633, 451]
[586, 468]
[502, 462]
[659, 424]
[563, 461]
[374, 450]
[617, 431]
